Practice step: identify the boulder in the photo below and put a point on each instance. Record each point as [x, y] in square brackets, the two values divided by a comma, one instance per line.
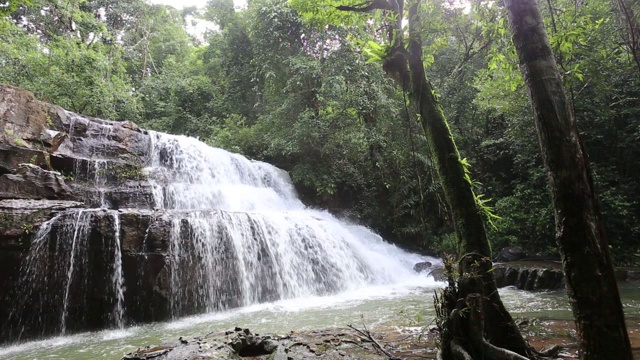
[246, 344]
[511, 253]
[422, 266]
[23, 119]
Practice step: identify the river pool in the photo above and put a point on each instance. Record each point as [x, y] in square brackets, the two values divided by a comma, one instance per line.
[409, 304]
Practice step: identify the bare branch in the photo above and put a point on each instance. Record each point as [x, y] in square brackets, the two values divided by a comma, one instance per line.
[366, 7]
[366, 334]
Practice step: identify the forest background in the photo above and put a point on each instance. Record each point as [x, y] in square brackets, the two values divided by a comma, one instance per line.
[310, 99]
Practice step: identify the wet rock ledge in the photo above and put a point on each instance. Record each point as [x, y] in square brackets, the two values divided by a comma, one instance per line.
[340, 343]
[530, 275]
[54, 162]
[513, 267]
[523, 274]
[544, 274]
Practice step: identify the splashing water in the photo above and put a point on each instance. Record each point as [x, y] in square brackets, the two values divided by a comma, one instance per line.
[80, 230]
[117, 275]
[240, 235]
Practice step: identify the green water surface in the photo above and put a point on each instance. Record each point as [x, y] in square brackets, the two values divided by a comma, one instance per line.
[409, 306]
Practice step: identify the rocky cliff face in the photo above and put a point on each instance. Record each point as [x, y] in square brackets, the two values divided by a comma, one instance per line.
[58, 169]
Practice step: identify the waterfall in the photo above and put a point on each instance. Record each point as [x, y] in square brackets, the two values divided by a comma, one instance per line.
[117, 275]
[100, 181]
[241, 236]
[57, 278]
[60, 270]
[78, 241]
[224, 232]
[61, 273]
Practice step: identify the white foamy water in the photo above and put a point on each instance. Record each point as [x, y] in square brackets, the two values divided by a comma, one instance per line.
[246, 224]
[190, 175]
[239, 238]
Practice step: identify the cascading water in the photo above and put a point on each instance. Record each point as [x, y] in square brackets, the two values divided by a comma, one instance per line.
[78, 241]
[98, 176]
[54, 284]
[99, 180]
[69, 271]
[117, 277]
[62, 281]
[225, 232]
[241, 236]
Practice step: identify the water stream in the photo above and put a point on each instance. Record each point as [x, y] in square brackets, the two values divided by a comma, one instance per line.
[117, 277]
[408, 304]
[80, 229]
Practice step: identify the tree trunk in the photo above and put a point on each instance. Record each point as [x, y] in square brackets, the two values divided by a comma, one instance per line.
[473, 247]
[630, 29]
[474, 275]
[591, 285]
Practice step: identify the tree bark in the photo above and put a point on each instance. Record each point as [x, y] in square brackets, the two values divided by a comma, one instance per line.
[405, 66]
[499, 326]
[591, 285]
[630, 29]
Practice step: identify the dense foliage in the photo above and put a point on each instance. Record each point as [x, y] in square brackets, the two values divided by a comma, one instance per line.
[271, 83]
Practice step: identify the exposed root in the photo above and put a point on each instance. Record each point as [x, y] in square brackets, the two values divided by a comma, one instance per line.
[476, 326]
[458, 351]
[469, 312]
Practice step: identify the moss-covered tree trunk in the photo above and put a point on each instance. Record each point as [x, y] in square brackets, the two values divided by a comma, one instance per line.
[498, 332]
[580, 233]
[474, 275]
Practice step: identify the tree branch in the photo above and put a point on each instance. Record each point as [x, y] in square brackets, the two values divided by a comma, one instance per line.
[366, 7]
[367, 336]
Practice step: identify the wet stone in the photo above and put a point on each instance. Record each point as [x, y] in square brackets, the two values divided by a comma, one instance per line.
[32, 182]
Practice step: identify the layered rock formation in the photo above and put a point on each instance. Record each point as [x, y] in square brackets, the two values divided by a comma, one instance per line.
[539, 274]
[53, 164]
[530, 275]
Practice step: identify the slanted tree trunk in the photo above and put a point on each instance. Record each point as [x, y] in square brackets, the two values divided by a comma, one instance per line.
[591, 285]
[630, 29]
[473, 247]
[405, 66]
